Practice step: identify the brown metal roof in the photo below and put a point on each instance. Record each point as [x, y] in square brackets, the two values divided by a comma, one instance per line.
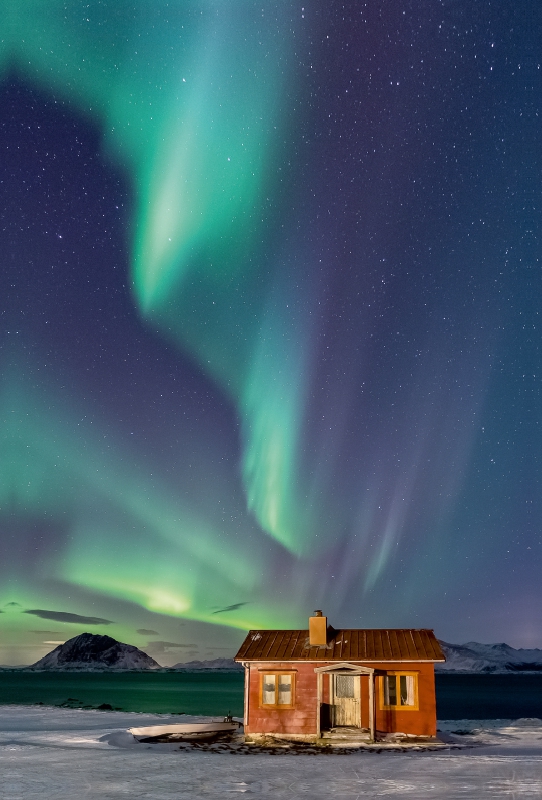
[345, 645]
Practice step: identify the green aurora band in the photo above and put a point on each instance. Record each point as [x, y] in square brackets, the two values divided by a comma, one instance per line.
[191, 97]
[318, 388]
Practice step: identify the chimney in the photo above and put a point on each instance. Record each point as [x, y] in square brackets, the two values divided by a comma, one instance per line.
[317, 629]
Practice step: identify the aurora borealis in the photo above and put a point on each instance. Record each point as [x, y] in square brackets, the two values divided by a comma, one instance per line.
[270, 281]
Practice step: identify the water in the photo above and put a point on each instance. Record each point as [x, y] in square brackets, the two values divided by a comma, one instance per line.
[210, 693]
[215, 693]
[488, 696]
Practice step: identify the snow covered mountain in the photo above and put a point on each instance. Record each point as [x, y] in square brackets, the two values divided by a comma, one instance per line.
[90, 652]
[489, 658]
[215, 665]
[472, 657]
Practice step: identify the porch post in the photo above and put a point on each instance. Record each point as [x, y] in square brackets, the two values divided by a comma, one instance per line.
[372, 706]
[319, 681]
[247, 695]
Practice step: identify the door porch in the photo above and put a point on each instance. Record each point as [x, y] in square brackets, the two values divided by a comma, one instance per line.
[341, 718]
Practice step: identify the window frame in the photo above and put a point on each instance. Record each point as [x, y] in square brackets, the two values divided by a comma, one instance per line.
[277, 673]
[382, 690]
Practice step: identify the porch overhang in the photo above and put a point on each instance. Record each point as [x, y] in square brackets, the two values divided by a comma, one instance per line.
[346, 668]
[350, 669]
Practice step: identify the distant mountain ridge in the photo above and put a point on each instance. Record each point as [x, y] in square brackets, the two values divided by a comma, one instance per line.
[214, 665]
[472, 657]
[91, 652]
[498, 659]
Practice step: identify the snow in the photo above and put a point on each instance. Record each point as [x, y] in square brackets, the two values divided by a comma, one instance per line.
[60, 754]
[489, 658]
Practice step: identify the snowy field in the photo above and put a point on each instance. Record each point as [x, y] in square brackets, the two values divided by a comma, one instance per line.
[61, 754]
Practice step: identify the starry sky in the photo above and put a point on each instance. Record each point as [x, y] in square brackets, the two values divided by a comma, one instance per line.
[269, 301]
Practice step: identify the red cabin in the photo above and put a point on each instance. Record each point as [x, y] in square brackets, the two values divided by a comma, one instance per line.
[323, 683]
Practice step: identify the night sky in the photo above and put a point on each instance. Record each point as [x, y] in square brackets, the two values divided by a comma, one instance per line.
[269, 293]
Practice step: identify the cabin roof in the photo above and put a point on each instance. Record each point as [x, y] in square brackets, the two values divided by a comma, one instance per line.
[385, 644]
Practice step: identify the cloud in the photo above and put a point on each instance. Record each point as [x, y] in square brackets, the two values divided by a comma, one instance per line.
[145, 632]
[233, 607]
[191, 655]
[171, 644]
[48, 633]
[166, 647]
[64, 616]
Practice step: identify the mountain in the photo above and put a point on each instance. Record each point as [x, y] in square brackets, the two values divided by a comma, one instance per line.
[215, 665]
[489, 658]
[89, 652]
[472, 657]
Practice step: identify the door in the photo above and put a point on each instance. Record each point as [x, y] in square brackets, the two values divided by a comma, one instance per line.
[346, 710]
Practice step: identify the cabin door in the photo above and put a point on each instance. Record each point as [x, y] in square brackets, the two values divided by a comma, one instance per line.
[346, 701]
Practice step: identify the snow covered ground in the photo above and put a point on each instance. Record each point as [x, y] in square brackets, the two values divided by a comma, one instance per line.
[61, 754]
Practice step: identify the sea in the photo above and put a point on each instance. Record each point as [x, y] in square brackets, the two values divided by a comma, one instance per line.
[221, 693]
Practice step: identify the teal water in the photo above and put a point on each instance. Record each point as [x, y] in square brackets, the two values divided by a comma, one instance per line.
[214, 693]
[209, 693]
[488, 696]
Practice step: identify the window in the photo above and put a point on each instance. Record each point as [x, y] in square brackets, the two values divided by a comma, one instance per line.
[399, 690]
[278, 689]
[345, 686]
